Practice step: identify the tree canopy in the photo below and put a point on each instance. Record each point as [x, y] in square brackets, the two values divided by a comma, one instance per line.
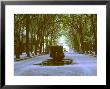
[36, 32]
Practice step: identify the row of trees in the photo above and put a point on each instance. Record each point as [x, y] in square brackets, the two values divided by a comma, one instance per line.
[35, 32]
[82, 32]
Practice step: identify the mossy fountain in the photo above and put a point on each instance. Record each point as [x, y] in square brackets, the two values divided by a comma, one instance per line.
[57, 55]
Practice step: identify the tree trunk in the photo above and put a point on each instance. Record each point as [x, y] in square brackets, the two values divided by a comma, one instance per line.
[27, 36]
[18, 42]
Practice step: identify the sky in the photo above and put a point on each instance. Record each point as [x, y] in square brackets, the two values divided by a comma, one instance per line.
[61, 41]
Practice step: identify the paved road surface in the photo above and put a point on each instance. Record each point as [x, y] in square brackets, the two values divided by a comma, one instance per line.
[85, 65]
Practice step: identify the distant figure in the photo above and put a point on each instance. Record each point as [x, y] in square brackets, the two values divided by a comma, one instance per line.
[64, 50]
